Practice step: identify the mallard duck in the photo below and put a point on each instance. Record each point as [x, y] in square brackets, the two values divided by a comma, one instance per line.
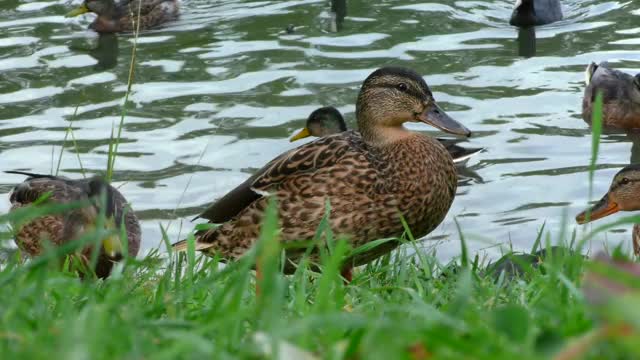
[623, 195]
[535, 12]
[328, 120]
[61, 228]
[620, 96]
[123, 16]
[370, 178]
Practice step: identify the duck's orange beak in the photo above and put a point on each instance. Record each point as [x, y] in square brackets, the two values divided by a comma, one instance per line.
[433, 115]
[82, 9]
[604, 207]
[301, 134]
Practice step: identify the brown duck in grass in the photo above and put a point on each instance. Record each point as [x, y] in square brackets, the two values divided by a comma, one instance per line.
[123, 16]
[623, 195]
[620, 94]
[62, 228]
[370, 177]
[328, 120]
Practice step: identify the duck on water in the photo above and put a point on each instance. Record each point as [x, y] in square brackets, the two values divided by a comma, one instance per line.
[535, 12]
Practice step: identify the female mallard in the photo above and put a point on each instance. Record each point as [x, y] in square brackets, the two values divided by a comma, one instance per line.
[535, 12]
[620, 95]
[623, 195]
[61, 228]
[328, 120]
[370, 178]
[123, 16]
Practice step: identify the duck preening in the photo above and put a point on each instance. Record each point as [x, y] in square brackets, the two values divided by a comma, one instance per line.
[328, 120]
[623, 195]
[371, 178]
[59, 229]
[127, 15]
[620, 96]
[535, 12]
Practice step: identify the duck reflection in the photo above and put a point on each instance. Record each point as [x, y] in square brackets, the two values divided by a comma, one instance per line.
[106, 52]
[338, 13]
[527, 41]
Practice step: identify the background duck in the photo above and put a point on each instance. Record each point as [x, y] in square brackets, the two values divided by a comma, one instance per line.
[370, 178]
[328, 120]
[623, 195]
[620, 95]
[123, 16]
[61, 228]
[535, 12]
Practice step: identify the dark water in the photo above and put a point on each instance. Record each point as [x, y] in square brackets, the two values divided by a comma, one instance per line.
[218, 92]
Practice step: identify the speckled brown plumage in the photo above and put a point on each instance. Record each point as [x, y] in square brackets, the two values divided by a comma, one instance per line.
[370, 178]
[123, 15]
[621, 96]
[61, 228]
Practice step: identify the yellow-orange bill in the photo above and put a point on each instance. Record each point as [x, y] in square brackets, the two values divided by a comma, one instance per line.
[82, 9]
[604, 207]
[300, 135]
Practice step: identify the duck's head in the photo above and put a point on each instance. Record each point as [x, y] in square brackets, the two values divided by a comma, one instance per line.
[392, 96]
[621, 95]
[603, 77]
[623, 195]
[524, 14]
[321, 122]
[100, 7]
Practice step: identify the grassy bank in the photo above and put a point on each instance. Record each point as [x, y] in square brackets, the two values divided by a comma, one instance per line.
[407, 306]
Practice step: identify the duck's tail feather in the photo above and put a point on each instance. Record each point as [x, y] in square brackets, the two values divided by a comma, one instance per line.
[182, 245]
[25, 173]
[463, 154]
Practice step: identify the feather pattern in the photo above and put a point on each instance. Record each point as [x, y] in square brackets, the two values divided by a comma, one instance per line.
[61, 228]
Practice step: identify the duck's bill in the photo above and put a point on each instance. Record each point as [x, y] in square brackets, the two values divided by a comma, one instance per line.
[436, 117]
[301, 134]
[588, 73]
[112, 246]
[604, 207]
[82, 9]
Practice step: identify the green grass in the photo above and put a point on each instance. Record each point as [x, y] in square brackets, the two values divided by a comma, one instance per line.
[187, 306]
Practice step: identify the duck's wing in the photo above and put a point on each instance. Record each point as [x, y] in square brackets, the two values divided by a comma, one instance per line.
[459, 154]
[309, 157]
[35, 186]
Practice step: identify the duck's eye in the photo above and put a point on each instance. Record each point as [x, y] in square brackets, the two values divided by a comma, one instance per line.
[402, 87]
[624, 181]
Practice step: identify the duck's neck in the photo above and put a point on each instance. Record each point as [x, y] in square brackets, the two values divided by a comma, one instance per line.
[381, 136]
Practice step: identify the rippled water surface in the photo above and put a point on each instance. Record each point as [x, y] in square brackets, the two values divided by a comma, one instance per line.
[218, 92]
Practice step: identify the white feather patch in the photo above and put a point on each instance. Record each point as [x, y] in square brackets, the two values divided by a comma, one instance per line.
[260, 192]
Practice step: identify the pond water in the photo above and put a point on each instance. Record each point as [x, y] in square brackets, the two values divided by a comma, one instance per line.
[218, 92]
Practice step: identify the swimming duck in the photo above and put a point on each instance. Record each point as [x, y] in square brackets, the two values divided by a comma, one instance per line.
[620, 95]
[123, 16]
[61, 228]
[623, 195]
[328, 120]
[535, 12]
[370, 178]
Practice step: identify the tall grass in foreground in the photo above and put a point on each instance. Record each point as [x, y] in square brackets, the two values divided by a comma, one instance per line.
[402, 306]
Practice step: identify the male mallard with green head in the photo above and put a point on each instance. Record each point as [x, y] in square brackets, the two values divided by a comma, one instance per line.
[620, 95]
[623, 195]
[328, 120]
[371, 178]
[125, 15]
[62, 228]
